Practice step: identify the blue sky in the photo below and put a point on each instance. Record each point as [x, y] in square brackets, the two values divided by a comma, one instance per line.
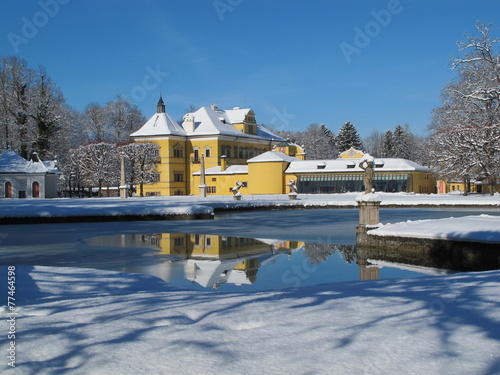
[374, 63]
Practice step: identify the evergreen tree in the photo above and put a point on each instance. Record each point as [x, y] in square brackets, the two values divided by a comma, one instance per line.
[46, 114]
[400, 143]
[348, 137]
[329, 135]
[388, 144]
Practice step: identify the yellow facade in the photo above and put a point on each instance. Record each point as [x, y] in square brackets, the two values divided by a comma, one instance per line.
[217, 137]
[267, 178]
[235, 150]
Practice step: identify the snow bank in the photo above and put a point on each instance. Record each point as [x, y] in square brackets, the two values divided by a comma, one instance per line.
[483, 228]
[189, 205]
[84, 321]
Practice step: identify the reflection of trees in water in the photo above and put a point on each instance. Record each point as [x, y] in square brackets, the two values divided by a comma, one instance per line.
[320, 252]
[347, 252]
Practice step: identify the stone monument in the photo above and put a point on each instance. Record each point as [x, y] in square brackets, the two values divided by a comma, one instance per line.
[293, 190]
[236, 191]
[368, 202]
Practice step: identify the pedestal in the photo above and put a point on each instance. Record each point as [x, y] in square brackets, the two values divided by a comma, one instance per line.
[123, 192]
[369, 213]
[369, 207]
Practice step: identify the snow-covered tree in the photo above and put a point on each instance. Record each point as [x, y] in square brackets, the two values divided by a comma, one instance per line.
[113, 122]
[470, 113]
[348, 137]
[374, 144]
[141, 164]
[316, 145]
[329, 135]
[401, 143]
[47, 114]
[98, 165]
[123, 118]
[31, 108]
[19, 101]
[388, 145]
[95, 124]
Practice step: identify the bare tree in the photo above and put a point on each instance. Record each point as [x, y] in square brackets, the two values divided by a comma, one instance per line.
[142, 160]
[98, 165]
[313, 139]
[470, 113]
[123, 118]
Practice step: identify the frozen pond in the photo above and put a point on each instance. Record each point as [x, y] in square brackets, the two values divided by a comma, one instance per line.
[244, 251]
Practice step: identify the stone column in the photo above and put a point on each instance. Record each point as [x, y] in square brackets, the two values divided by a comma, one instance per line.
[123, 180]
[202, 185]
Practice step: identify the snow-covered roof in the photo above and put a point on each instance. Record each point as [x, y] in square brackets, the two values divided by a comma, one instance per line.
[160, 124]
[237, 115]
[232, 169]
[272, 156]
[351, 165]
[208, 122]
[11, 162]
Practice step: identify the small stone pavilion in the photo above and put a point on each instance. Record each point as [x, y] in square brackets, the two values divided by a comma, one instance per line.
[21, 178]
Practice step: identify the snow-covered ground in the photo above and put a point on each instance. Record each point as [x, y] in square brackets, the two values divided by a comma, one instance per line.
[483, 228]
[188, 205]
[86, 321]
[82, 321]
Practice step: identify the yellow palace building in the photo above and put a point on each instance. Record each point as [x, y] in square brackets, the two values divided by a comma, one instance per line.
[218, 152]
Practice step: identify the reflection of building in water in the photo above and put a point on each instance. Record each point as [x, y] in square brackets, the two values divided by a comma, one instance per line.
[212, 260]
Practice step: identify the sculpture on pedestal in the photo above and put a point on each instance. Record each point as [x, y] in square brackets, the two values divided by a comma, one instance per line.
[367, 163]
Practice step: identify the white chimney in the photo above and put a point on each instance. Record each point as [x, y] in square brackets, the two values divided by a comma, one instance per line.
[189, 124]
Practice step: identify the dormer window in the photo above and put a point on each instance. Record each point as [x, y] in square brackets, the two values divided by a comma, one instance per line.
[379, 163]
[350, 165]
[321, 165]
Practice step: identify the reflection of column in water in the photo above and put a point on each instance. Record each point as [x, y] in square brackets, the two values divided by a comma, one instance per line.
[367, 271]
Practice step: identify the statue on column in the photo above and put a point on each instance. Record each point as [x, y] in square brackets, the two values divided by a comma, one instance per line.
[367, 163]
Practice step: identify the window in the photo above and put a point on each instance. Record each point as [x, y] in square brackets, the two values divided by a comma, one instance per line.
[208, 241]
[207, 153]
[211, 189]
[178, 177]
[178, 241]
[178, 153]
[196, 156]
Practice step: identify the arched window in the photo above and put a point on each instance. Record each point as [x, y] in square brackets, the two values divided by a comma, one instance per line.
[8, 189]
[35, 193]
